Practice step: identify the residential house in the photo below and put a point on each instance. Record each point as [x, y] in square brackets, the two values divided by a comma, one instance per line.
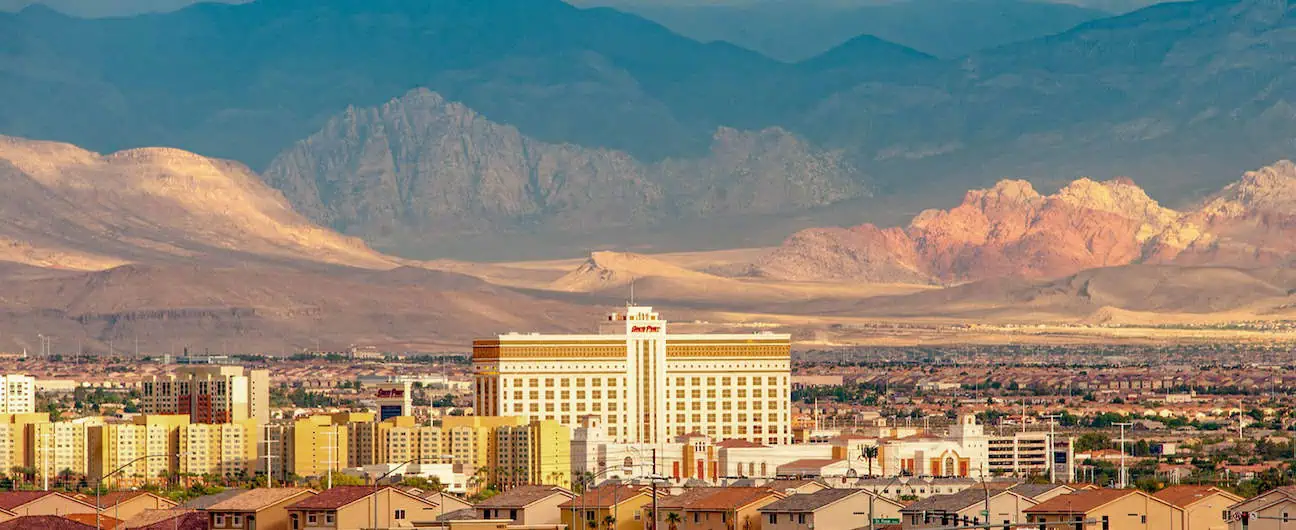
[1201, 507]
[43, 522]
[1041, 492]
[625, 505]
[829, 509]
[526, 505]
[444, 502]
[127, 504]
[968, 507]
[1101, 509]
[24, 503]
[344, 507]
[175, 519]
[814, 467]
[732, 508]
[1272, 510]
[256, 509]
[796, 486]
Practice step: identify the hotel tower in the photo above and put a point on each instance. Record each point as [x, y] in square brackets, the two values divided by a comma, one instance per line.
[645, 386]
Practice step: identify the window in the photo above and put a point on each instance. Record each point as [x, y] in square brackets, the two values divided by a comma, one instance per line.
[697, 517]
[800, 518]
[400, 515]
[773, 518]
[236, 521]
[296, 523]
[328, 518]
[311, 519]
[220, 519]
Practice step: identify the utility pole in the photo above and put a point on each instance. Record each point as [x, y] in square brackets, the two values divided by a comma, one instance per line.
[332, 447]
[1124, 479]
[269, 467]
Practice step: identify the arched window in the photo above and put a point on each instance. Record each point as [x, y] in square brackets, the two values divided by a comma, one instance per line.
[949, 466]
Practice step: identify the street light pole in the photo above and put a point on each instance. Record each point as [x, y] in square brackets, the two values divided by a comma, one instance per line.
[1123, 478]
[102, 476]
[393, 470]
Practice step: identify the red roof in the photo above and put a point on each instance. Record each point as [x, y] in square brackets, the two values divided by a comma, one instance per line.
[1183, 496]
[43, 522]
[335, 497]
[114, 498]
[603, 496]
[1080, 501]
[13, 499]
[105, 522]
[183, 520]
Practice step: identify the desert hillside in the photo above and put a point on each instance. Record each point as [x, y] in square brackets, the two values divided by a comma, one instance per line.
[68, 208]
[1011, 230]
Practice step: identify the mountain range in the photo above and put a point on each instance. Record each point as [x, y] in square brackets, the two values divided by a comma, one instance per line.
[1011, 230]
[1177, 94]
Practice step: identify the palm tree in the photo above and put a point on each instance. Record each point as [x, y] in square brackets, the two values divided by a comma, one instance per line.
[673, 520]
[608, 521]
[870, 453]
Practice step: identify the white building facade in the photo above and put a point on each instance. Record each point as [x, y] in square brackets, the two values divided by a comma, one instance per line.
[644, 385]
[17, 394]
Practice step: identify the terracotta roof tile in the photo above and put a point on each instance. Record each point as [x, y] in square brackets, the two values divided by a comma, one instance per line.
[1185, 495]
[105, 522]
[602, 496]
[181, 520]
[1080, 501]
[809, 502]
[715, 499]
[335, 497]
[44, 522]
[257, 499]
[13, 499]
[523, 496]
[149, 517]
[112, 498]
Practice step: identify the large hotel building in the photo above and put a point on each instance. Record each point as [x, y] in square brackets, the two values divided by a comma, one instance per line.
[644, 385]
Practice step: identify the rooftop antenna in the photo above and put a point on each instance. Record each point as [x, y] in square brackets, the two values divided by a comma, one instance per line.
[632, 282]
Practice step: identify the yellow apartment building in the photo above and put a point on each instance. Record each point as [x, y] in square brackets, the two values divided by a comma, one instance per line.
[315, 445]
[53, 447]
[147, 447]
[535, 453]
[222, 449]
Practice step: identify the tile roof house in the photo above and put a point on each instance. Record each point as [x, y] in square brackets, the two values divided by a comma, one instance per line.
[1271, 507]
[1201, 507]
[627, 505]
[42, 503]
[1107, 508]
[44, 522]
[201, 503]
[127, 504]
[256, 509]
[968, 507]
[175, 519]
[1041, 492]
[814, 467]
[829, 509]
[717, 508]
[360, 507]
[526, 505]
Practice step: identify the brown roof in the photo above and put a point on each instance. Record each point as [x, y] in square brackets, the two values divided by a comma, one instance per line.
[1080, 501]
[257, 499]
[44, 522]
[603, 496]
[105, 522]
[1183, 496]
[522, 496]
[114, 498]
[717, 499]
[809, 502]
[149, 517]
[13, 499]
[179, 520]
[335, 497]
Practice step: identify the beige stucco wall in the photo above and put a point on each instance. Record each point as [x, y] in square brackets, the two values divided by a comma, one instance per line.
[135, 506]
[1208, 513]
[545, 511]
[1126, 514]
[1277, 510]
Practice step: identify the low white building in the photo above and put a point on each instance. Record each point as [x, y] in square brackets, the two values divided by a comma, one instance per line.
[453, 476]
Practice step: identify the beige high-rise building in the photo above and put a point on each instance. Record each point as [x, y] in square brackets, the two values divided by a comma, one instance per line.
[220, 449]
[53, 447]
[210, 394]
[147, 447]
[536, 453]
[644, 385]
[17, 394]
[13, 437]
[313, 446]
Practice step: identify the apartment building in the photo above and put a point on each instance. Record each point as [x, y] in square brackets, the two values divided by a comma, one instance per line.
[220, 448]
[1027, 454]
[17, 394]
[311, 447]
[13, 437]
[643, 384]
[148, 447]
[536, 453]
[210, 394]
[53, 447]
